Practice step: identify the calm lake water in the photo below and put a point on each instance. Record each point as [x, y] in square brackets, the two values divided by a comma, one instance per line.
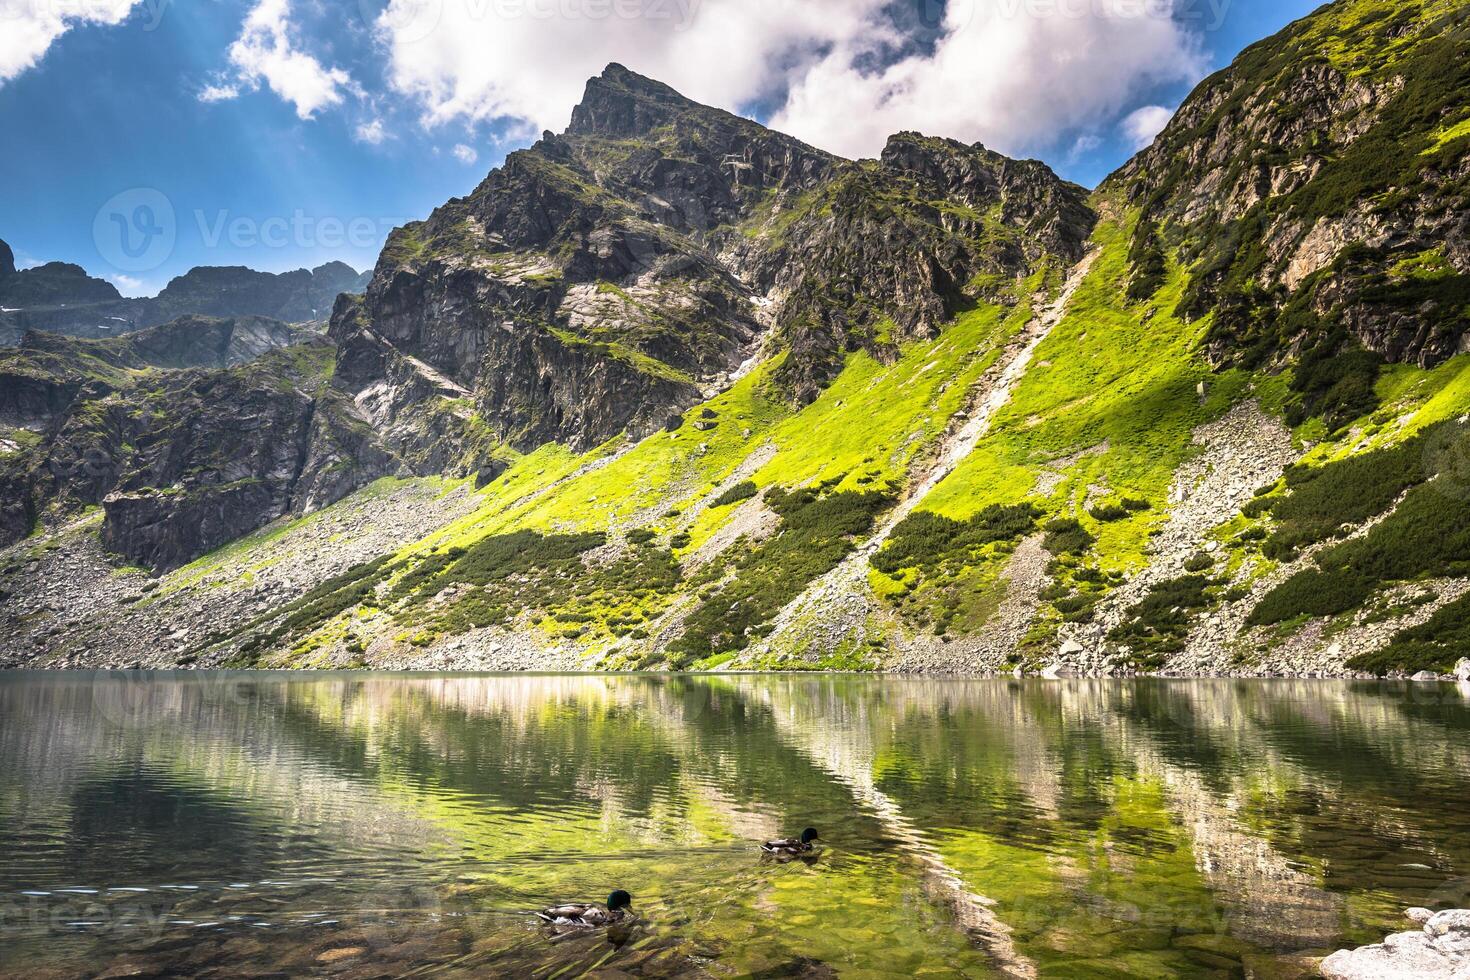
[361, 825]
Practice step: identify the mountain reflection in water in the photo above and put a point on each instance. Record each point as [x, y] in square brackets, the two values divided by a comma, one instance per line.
[372, 824]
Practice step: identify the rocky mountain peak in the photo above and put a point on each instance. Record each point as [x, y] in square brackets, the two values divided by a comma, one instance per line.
[622, 103]
[7, 260]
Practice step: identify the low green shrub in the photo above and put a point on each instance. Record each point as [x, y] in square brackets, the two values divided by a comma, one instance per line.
[1437, 644]
[818, 529]
[736, 494]
[925, 540]
[1199, 563]
[1067, 536]
[1349, 491]
[1159, 624]
[1312, 593]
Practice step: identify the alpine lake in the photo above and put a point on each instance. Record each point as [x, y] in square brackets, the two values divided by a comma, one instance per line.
[382, 825]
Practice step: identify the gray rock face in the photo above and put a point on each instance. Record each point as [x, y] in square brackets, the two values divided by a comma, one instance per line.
[1298, 186]
[598, 282]
[7, 260]
[236, 430]
[236, 452]
[52, 284]
[902, 243]
[1440, 951]
[226, 291]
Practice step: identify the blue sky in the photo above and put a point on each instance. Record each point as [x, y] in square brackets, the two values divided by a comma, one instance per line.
[287, 133]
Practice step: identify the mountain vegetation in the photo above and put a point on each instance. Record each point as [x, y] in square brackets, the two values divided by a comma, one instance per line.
[671, 389]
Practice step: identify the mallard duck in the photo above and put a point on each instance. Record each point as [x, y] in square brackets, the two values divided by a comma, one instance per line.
[619, 907]
[790, 847]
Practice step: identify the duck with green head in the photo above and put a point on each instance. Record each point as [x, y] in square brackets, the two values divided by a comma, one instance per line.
[587, 916]
[790, 847]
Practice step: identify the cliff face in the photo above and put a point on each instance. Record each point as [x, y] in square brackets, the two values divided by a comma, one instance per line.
[1320, 189]
[603, 280]
[189, 434]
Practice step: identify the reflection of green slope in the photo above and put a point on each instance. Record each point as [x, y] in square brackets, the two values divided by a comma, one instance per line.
[642, 766]
[1096, 882]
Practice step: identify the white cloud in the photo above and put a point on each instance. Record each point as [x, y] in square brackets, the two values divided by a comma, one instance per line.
[1020, 75]
[1013, 80]
[266, 52]
[218, 92]
[1142, 125]
[128, 285]
[29, 27]
[529, 59]
[371, 132]
[465, 154]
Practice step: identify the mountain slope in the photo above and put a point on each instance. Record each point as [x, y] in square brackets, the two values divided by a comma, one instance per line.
[188, 435]
[718, 399]
[1320, 190]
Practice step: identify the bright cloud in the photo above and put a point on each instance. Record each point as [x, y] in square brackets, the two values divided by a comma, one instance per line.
[465, 154]
[529, 59]
[267, 52]
[218, 92]
[371, 132]
[1016, 74]
[997, 74]
[28, 27]
[129, 285]
[1142, 125]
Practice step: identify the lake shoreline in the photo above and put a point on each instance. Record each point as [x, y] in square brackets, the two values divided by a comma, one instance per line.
[1417, 681]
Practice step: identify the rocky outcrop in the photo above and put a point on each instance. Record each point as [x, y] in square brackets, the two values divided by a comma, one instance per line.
[212, 342]
[936, 226]
[1321, 200]
[186, 458]
[7, 260]
[574, 295]
[53, 284]
[1440, 950]
[44, 373]
[235, 452]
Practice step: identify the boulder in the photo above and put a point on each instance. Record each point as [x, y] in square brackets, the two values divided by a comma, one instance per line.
[1462, 670]
[1425, 675]
[1438, 951]
[1058, 671]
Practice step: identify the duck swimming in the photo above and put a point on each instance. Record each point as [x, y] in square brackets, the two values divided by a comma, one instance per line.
[619, 907]
[790, 847]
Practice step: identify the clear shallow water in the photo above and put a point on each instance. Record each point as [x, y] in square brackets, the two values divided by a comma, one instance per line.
[370, 825]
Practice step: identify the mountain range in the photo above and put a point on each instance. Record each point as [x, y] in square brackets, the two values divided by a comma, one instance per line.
[59, 297]
[671, 389]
